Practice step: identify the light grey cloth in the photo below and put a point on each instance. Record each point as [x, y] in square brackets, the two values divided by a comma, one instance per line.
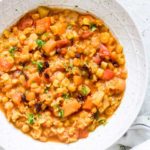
[138, 133]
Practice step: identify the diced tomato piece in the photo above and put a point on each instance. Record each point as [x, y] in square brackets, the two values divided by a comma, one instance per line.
[5, 65]
[104, 52]
[83, 133]
[63, 51]
[25, 22]
[62, 43]
[108, 74]
[97, 59]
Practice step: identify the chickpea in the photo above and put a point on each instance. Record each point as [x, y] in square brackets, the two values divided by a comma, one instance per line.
[9, 105]
[35, 16]
[121, 61]
[60, 76]
[99, 72]
[30, 96]
[22, 37]
[76, 62]
[104, 38]
[104, 64]
[22, 79]
[111, 41]
[112, 47]
[71, 87]
[6, 33]
[56, 83]
[43, 139]
[119, 48]
[25, 128]
[4, 99]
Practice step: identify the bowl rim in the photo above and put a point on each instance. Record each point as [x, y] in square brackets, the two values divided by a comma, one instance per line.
[145, 84]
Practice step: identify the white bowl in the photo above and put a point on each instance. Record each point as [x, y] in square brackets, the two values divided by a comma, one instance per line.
[125, 30]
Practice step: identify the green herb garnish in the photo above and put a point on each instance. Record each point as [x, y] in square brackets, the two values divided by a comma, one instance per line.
[39, 65]
[69, 26]
[68, 67]
[61, 113]
[40, 43]
[46, 35]
[39, 115]
[12, 50]
[31, 119]
[102, 121]
[96, 115]
[93, 27]
[47, 89]
[85, 90]
[66, 95]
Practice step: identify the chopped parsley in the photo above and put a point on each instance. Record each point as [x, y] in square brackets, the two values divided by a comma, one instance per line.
[66, 95]
[39, 65]
[46, 35]
[40, 43]
[102, 121]
[68, 67]
[93, 27]
[85, 90]
[96, 115]
[61, 113]
[12, 50]
[69, 26]
[46, 88]
[39, 115]
[31, 119]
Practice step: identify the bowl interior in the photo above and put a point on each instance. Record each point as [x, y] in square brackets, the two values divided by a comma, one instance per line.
[125, 30]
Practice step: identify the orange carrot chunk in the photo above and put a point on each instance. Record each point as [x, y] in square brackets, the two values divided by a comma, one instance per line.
[77, 80]
[88, 104]
[49, 46]
[43, 25]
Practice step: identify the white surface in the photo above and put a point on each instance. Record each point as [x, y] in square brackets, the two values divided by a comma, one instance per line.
[143, 146]
[125, 30]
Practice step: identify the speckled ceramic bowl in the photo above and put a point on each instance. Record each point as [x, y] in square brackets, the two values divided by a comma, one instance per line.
[125, 30]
